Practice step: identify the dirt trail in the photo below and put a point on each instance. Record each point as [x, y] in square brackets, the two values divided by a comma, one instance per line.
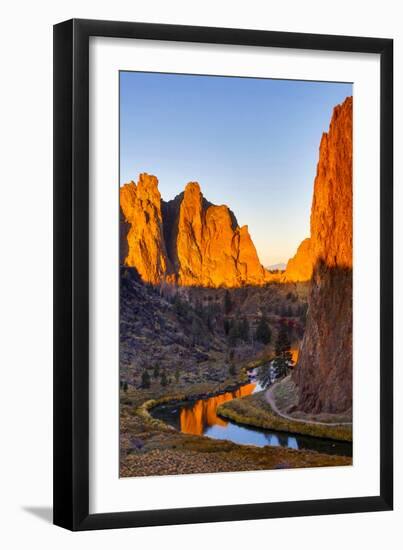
[270, 400]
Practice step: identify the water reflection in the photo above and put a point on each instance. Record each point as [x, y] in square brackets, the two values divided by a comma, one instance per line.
[294, 355]
[246, 435]
[202, 414]
[200, 418]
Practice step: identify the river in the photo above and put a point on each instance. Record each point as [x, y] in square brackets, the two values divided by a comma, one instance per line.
[199, 417]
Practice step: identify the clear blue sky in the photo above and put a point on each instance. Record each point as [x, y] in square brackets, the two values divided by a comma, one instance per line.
[250, 143]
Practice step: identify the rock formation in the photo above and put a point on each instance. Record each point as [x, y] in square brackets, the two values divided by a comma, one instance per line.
[187, 240]
[141, 208]
[324, 371]
[211, 250]
[188, 246]
[299, 267]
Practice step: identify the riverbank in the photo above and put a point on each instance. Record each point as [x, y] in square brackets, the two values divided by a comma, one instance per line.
[194, 394]
[264, 410]
[179, 453]
[151, 447]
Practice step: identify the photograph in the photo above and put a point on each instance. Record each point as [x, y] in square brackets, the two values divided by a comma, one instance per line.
[200, 282]
[235, 272]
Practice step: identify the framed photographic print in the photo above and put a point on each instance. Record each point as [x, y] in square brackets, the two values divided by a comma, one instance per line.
[223, 320]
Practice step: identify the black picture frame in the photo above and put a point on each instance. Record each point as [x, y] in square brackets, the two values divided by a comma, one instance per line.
[71, 274]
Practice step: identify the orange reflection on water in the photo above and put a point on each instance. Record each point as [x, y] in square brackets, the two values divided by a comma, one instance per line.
[203, 413]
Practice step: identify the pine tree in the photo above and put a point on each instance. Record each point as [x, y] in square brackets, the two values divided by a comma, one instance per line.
[195, 328]
[233, 335]
[145, 379]
[281, 362]
[244, 330]
[227, 302]
[263, 332]
[156, 371]
[283, 344]
[264, 374]
[199, 307]
[164, 380]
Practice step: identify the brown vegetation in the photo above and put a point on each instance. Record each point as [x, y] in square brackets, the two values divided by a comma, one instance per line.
[150, 447]
[254, 410]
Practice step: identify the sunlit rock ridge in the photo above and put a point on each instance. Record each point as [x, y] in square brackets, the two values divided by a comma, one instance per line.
[187, 241]
[324, 371]
[300, 266]
[141, 212]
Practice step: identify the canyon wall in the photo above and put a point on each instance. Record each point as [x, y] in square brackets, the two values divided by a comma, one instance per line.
[188, 240]
[324, 370]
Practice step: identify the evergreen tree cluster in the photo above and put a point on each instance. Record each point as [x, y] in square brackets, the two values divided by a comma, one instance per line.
[263, 332]
[199, 320]
[157, 375]
[280, 365]
[145, 379]
[283, 356]
[237, 330]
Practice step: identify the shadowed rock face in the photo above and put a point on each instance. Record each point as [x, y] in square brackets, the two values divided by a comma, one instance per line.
[324, 371]
[187, 240]
[124, 228]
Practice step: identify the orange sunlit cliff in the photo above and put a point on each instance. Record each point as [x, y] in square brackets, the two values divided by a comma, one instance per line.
[141, 210]
[188, 240]
[324, 371]
[299, 267]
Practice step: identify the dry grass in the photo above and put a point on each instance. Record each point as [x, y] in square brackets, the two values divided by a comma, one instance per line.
[150, 447]
[253, 410]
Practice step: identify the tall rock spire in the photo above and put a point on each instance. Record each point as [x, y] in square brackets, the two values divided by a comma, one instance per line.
[141, 208]
[189, 235]
[324, 370]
